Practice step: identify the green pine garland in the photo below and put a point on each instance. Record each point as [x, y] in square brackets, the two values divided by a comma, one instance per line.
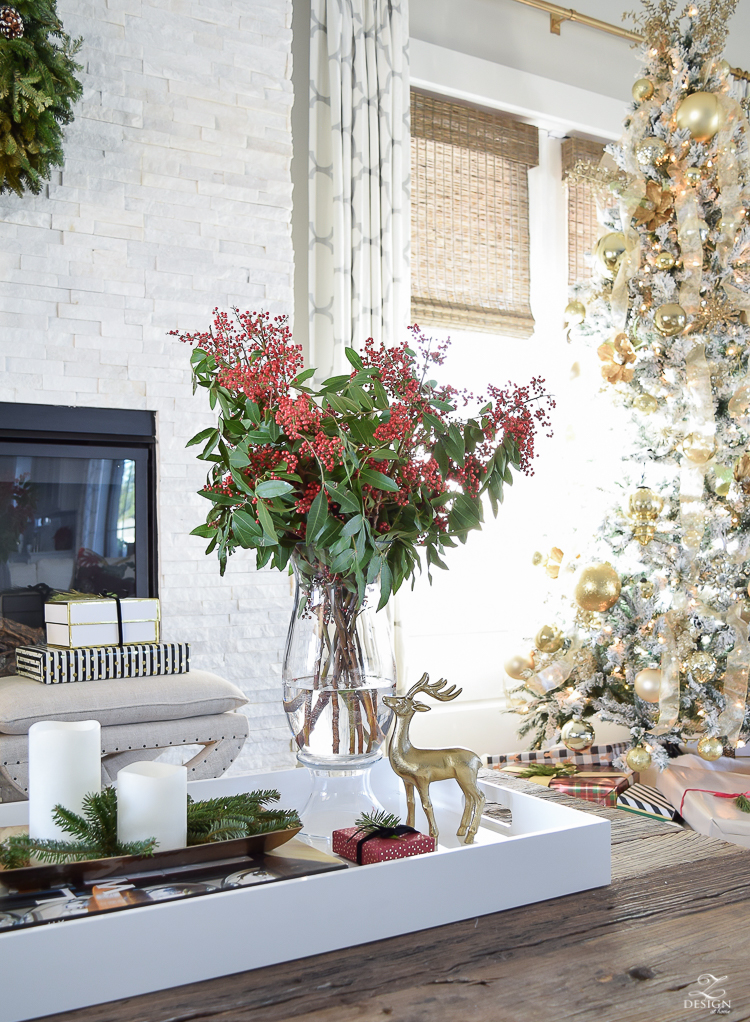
[94, 833]
[37, 90]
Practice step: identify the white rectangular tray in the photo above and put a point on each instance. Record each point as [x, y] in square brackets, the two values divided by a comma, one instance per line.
[62, 966]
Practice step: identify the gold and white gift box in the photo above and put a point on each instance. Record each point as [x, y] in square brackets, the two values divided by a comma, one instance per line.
[93, 622]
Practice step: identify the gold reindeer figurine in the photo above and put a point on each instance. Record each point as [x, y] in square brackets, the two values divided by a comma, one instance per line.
[418, 768]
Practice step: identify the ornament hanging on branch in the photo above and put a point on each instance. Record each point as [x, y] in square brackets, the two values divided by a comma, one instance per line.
[670, 319]
[516, 666]
[710, 748]
[11, 23]
[638, 758]
[37, 56]
[647, 684]
[609, 251]
[598, 588]
[549, 639]
[644, 506]
[577, 735]
[642, 90]
[700, 113]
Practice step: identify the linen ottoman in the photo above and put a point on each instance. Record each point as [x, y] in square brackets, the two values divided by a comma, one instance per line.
[140, 718]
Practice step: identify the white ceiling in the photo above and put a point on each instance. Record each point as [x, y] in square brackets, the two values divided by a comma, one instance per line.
[512, 34]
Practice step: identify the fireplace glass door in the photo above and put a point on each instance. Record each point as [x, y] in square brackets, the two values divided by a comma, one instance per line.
[74, 517]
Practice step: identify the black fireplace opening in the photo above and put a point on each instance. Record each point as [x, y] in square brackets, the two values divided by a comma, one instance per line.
[77, 507]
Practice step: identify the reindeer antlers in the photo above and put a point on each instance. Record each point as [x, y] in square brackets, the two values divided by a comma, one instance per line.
[437, 690]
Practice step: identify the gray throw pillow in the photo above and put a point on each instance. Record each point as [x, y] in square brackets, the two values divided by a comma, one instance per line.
[23, 701]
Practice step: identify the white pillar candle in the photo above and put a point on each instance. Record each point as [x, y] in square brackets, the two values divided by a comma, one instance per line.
[65, 764]
[152, 802]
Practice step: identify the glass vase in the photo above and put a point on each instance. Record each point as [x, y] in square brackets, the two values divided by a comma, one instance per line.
[338, 665]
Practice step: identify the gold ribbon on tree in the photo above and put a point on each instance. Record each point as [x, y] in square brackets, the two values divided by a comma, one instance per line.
[735, 680]
[691, 247]
[669, 690]
[703, 440]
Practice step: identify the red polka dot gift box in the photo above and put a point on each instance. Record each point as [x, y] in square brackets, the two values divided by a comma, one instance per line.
[365, 848]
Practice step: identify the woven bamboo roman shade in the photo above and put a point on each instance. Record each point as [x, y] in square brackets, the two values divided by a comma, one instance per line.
[470, 217]
[583, 229]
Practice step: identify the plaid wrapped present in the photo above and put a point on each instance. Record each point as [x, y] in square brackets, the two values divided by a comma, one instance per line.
[604, 787]
[597, 755]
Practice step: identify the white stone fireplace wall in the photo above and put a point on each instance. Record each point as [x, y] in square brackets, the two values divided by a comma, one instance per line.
[175, 197]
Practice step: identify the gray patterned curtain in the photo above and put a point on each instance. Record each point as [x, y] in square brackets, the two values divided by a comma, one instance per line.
[359, 176]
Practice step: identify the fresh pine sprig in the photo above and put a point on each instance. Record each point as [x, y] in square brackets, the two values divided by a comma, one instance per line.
[743, 803]
[549, 770]
[376, 820]
[94, 832]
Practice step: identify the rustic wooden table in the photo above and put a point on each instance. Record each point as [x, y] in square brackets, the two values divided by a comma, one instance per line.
[678, 908]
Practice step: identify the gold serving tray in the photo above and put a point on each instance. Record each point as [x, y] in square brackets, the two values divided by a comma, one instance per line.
[90, 871]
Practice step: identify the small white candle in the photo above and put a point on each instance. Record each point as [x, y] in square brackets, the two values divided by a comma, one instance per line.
[152, 802]
[65, 764]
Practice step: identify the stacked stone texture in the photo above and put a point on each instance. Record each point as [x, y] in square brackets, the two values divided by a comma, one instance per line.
[175, 197]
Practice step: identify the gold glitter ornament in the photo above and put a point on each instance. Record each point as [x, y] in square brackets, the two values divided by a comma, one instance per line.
[575, 313]
[698, 449]
[646, 589]
[515, 666]
[702, 666]
[646, 403]
[742, 473]
[549, 639]
[609, 251]
[651, 151]
[644, 507]
[670, 319]
[598, 588]
[647, 684]
[537, 558]
[664, 261]
[642, 90]
[700, 113]
[577, 735]
[710, 748]
[693, 176]
[638, 758]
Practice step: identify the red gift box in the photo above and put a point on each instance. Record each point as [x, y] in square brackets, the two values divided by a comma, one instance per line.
[604, 790]
[379, 849]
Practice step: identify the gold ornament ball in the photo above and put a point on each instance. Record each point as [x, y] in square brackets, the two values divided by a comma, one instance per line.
[664, 261]
[516, 665]
[646, 588]
[609, 251]
[549, 639]
[647, 685]
[598, 588]
[575, 313]
[694, 176]
[642, 90]
[638, 758]
[650, 151]
[702, 666]
[698, 449]
[537, 558]
[700, 113]
[577, 735]
[670, 319]
[710, 748]
[724, 67]
[646, 403]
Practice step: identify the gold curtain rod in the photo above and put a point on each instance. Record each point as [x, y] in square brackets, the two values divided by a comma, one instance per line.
[558, 14]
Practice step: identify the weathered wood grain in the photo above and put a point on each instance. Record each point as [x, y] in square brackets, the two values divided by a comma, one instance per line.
[678, 907]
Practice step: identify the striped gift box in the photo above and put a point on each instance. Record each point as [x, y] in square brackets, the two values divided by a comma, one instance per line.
[98, 663]
[597, 755]
[646, 801]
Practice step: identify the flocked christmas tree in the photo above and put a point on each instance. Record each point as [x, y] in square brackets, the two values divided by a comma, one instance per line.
[656, 637]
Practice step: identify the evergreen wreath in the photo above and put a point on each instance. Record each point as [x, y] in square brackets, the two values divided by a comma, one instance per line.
[37, 90]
